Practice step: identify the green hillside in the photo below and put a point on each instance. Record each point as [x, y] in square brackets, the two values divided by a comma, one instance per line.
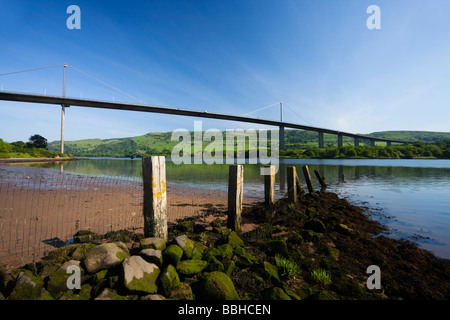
[161, 144]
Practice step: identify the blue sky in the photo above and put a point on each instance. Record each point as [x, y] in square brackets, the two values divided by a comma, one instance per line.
[233, 56]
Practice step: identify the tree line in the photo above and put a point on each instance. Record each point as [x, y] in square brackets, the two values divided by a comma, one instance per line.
[35, 147]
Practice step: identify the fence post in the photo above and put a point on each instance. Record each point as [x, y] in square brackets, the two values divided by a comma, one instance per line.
[309, 183]
[155, 197]
[292, 184]
[320, 178]
[235, 196]
[269, 184]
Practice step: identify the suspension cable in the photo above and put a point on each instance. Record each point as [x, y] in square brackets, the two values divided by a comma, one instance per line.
[246, 114]
[14, 72]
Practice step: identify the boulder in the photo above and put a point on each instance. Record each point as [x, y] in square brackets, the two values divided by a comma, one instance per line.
[153, 297]
[277, 246]
[153, 243]
[234, 240]
[275, 293]
[139, 276]
[83, 236]
[315, 225]
[169, 279]
[268, 272]
[191, 267]
[217, 286]
[57, 281]
[152, 256]
[182, 292]
[105, 256]
[187, 245]
[172, 254]
[29, 287]
[109, 294]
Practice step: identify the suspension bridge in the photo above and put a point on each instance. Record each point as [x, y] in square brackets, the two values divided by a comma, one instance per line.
[64, 102]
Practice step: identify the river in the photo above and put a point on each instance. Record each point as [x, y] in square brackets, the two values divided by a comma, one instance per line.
[411, 197]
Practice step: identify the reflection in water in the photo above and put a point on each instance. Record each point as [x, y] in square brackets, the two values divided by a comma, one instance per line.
[415, 192]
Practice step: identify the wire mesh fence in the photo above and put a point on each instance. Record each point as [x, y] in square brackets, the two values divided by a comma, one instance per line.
[41, 208]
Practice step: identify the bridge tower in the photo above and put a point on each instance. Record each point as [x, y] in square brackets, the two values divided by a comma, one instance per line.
[281, 132]
[63, 107]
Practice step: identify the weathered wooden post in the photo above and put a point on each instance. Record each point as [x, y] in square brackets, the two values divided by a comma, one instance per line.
[155, 197]
[309, 183]
[320, 178]
[235, 196]
[292, 184]
[269, 184]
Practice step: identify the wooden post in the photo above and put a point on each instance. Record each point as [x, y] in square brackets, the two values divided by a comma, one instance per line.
[235, 196]
[155, 197]
[309, 183]
[292, 184]
[300, 190]
[269, 184]
[320, 178]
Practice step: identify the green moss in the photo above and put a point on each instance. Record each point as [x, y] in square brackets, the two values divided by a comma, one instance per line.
[218, 286]
[169, 279]
[277, 246]
[172, 254]
[147, 284]
[268, 272]
[191, 267]
[234, 240]
[275, 293]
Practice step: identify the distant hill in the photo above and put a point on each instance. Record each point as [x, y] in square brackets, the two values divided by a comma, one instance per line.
[160, 143]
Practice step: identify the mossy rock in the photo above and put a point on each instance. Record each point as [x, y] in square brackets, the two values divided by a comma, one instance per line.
[185, 225]
[322, 295]
[152, 256]
[169, 279]
[110, 294]
[182, 292]
[153, 243]
[84, 236]
[333, 252]
[234, 240]
[217, 286]
[277, 246]
[172, 254]
[244, 258]
[295, 239]
[83, 294]
[60, 254]
[268, 272]
[80, 251]
[139, 276]
[344, 229]
[105, 256]
[56, 283]
[311, 212]
[214, 264]
[29, 287]
[190, 267]
[188, 247]
[315, 225]
[222, 252]
[309, 235]
[275, 293]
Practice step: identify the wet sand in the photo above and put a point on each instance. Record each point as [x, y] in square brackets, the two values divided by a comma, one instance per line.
[41, 209]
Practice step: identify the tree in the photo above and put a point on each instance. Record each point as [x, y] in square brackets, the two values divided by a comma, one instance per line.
[38, 141]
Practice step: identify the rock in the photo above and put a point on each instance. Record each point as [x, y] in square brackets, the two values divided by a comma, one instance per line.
[187, 245]
[83, 294]
[152, 256]
[191, 267]
[234, 240]
[215, 265]
[217, 286]
[153, 243]
[29, 287]
[80, 251]
[277, 246]
[57, 281]
[169, 279]
[333, 252]
[153, 297]
[185, 225]
[295, 239]
[62, 253]
[275, 293]
[268, 272]
[182, 292]
[105, 256]
[244, 258]
[139, 276]
[344, 229]
[321, 295]
[310, 235]
[109, 294]
[172, 254]
[222, 252]
[315, 225]
[84, 236]
[311, 212]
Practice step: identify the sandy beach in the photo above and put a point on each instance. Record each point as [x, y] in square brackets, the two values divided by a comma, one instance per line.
[41, 208]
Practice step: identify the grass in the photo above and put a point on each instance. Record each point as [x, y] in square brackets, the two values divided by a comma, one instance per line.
[321, 276]
[288, 269]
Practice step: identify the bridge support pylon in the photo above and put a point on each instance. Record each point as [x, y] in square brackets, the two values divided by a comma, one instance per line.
[340, 140]
[356, 142]
[321, 140]
[281, 134]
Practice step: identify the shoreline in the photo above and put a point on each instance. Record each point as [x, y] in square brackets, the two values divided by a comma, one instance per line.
[34, 160]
